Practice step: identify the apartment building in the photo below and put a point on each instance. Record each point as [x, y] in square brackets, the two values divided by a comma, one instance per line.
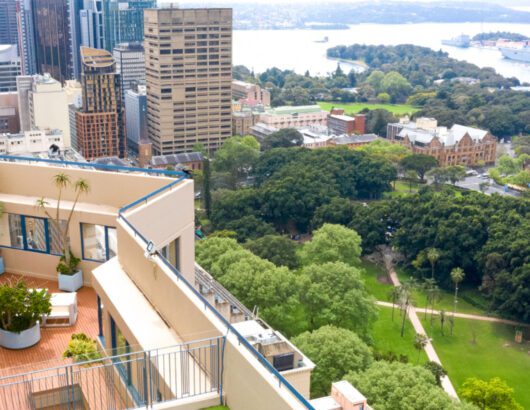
[294, 117]
[43, 104]
[170, 335]
[458, 145]
[188, 57]
[10, 67]
[130, 64]
[99, 123]
[31, 142]
[242, 90]
[341, 124]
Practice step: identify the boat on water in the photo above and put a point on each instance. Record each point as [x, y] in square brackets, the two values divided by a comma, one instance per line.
[324, 40]
[518, 53]
[460, 41]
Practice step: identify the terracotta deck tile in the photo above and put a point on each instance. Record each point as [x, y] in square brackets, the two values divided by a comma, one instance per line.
[48, 352]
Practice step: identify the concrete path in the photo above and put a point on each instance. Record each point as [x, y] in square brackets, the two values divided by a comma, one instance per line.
[462, 315]
[418, 328]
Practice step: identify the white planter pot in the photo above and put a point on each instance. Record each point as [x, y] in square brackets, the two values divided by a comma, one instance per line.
[22, 340]
[70, 283]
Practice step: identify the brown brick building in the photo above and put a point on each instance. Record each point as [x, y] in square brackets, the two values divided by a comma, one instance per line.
[459, 145]
[99, 123]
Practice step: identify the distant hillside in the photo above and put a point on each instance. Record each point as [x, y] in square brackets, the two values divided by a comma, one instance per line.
[295, 15]
[494, 36]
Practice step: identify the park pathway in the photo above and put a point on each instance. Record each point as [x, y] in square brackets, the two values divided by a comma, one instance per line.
[463, 315]
[418, 327]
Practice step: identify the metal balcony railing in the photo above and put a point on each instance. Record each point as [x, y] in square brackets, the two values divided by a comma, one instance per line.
[123, 381]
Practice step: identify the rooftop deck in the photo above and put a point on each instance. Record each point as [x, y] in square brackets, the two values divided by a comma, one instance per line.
[48, 352]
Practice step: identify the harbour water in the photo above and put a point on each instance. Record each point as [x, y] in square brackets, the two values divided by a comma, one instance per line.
[302, 50]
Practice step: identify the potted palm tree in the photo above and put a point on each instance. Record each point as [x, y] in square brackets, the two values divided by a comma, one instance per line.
[70, 277]
[21, 310]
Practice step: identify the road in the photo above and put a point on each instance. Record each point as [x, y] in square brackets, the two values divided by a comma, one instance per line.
[473, 183]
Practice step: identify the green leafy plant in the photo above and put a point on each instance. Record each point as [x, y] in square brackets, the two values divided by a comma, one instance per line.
[71, 267]
[82, 348]
[21, 307]
[67, 264]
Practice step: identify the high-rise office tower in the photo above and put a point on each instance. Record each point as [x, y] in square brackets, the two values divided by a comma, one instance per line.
[99, 123]
[130, 63]
[188, 58]
[91, 24]
[136, 116]
[124, 21]
[9, 67]
[53, 41]
[26, 37]
[8, 22]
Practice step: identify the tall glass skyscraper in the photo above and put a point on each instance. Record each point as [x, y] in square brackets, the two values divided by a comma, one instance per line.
[124, 21]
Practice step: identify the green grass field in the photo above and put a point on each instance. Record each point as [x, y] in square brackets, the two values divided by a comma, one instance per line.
[495, 354]
[469, 300]
[375, 280]
[387, 336]
[353, 108]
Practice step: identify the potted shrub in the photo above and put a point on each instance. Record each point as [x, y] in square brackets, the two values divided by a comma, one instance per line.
[2, 266]
[82, 348]
[70, 277]
[21, 310]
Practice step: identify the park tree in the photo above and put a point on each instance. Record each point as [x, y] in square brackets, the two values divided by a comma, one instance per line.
[206, 187]
[275, 248]
[332, 243]
[377, 121]
[209, 250]
[420, 341]
[334, 293]
[236, 157]
[456, 173]
[390, 386]
[457, 276]
[372, 221]
[439, 175]
[272, 290]
[437, 370]
[231, 205]
[249, 227]
[420, 163]
[385, 149]
[396, 86]
[493, 394]
[433, 255]
[335, 352]
[337, 211]
[284, 138]
[375, 80]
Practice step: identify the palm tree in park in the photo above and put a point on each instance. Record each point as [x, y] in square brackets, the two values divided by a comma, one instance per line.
[419, 344]
[394, 295]
[433, 255]
[457, 276]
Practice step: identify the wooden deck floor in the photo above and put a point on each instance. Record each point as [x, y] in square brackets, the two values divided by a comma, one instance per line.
[48, 352]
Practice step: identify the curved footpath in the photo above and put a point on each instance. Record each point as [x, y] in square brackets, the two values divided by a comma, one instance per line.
[418, 328]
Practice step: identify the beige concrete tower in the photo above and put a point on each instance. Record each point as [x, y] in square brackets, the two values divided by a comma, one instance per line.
[188, 57]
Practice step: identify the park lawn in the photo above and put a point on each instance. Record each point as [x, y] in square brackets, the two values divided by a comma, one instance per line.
[469, 300]
[375, 280]
[387, 336]
[354, 108]
[401, 188]
[495, 354]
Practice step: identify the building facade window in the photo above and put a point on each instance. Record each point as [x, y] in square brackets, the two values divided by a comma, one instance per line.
[99, 242]
[172, 253]
[31, 233]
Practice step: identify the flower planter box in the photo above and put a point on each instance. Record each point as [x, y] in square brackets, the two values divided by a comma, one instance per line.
[22, 340]
[71, 283]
